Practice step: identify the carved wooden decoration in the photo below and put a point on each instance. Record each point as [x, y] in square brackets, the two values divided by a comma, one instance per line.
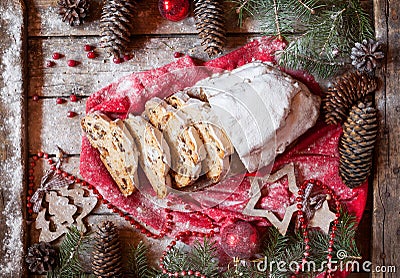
[255, 195]
[62, 213]
[86, 204]
[323, 218]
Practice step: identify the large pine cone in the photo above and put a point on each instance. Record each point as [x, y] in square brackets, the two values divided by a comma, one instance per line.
[210, 24]
[73, 11]
[116, 25]
[41, 257]
[345, 92]
[357, 144]
[367, 56]
[107, 252]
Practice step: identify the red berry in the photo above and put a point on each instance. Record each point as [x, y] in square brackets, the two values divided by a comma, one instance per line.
[49, 64]
[178, 54]
[117, 60]
[71, 63]
[60, 100]
[73, 98]
[127, 57]
[91, 55]
[71, 114]
[56, 55]
[87, 47]
[35, 98]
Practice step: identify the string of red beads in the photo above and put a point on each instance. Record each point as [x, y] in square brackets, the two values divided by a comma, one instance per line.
[169, 216]
[304, 225]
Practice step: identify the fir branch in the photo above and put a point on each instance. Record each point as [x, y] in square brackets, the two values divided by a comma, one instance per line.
[72, 246]
[320, 33]
[203, 258]
[243, 9]
[176, 260]
[138, 264]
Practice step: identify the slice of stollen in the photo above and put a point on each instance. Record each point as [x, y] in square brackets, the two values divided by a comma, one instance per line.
[217, 144]
[154, 157]
[186, 147]
[117, 149]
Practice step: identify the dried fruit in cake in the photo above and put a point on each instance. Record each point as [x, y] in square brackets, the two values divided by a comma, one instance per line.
[117, 149]
[216, 142]
[154, 154]
[186, 148]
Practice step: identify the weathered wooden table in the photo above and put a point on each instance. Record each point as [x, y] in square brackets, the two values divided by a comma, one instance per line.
[31, 31]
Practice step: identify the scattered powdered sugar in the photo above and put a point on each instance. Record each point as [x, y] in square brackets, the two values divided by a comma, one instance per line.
[12, 160]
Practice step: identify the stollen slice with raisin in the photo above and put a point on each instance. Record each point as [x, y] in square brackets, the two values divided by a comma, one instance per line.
[117, 149]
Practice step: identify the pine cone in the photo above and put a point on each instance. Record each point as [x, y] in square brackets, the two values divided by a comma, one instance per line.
[357, 143]
[367, 56]
[107, 252]
[116, 24]
[41, 257]
[73, 11]
[210, 24]
[345, 92]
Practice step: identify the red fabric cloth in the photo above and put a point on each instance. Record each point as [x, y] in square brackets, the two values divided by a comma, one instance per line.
[315, 155]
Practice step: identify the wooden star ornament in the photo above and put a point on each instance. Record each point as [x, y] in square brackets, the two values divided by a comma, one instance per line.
[255, 195]
[323, 218]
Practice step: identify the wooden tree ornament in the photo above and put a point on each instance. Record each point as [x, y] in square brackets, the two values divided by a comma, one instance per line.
[63, 214]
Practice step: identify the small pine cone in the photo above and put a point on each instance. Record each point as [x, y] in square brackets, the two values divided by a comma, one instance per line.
[107, 253]
[41, 257]
[367, 56]
[116, 26]
[357, 143]
[210, 24]
[73, 11]
[345, 92]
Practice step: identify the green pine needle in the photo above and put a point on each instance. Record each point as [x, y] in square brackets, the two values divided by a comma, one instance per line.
[69, 266]
[203, 258]
[138, 263]
[320, 33]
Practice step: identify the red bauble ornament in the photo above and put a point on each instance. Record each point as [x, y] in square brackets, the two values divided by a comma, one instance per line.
[174, 10]
[240, 239]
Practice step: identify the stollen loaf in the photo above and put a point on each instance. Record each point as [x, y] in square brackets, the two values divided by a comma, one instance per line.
[262, 110]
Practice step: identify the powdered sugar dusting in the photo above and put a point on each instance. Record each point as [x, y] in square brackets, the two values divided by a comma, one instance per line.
[11, 166]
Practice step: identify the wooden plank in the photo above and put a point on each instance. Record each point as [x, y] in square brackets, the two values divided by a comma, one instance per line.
[12, 135]
[92, 74]
[50, 127]
[45, 21]
[386, 214]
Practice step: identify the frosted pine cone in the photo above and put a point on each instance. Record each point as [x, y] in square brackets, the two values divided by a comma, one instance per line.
[116, 26]
[367, 56]
[41, 257]
[73, 11]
